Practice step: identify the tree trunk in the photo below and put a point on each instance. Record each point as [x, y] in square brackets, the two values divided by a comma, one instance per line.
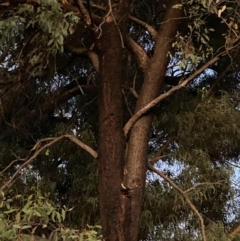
[136, 166]
[111, 138]
[120, 211]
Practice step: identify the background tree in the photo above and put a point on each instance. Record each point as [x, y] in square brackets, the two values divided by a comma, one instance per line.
[94, 94]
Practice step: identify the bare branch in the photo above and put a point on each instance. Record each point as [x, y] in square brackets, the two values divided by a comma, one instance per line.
[6, 4]
[85, 14]
[202, 184]
[192, 206]
[139, 52]
[64, 94]
[10, 164]
[219, 78]
[39, 147]
[82, 145]
[94, 59]
[134, 92]
[31, 158]
[232, 164]
[159, 153]
[163, 96]
[133, 89]
[107, 18]
[148, 27]
[85, 52]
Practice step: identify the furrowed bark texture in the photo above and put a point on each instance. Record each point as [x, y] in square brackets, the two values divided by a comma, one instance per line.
[111, 138]
[136, 166]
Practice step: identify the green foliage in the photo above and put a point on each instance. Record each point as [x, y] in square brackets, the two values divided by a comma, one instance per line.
[51, 24]
[36, 216]
[204, 126]
[205, 132]
[209, 29]
[207, 123]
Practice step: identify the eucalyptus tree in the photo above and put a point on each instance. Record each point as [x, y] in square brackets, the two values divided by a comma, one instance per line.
[64, 61]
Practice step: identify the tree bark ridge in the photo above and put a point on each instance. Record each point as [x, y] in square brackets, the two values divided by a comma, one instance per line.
[111, 139]
[136, 166]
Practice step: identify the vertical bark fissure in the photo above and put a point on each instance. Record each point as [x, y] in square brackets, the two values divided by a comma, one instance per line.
[111, 142]
[135, 170]
[111, 138]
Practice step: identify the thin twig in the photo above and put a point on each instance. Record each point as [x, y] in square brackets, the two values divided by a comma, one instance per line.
[156, 158]
[119, 30]
[133, 89]
[192, 206]
[86, 16]
[219, 78]
[202, 184]
[234, 165]
[78, 85]
[159, 153]
[88, 103]
[104, 19]
[29, 160]
[154, 102]
[10, 164]
[125, 99]
[134, 92]
[148, 27]
[85, 147]
[163, 96]
[38, 148]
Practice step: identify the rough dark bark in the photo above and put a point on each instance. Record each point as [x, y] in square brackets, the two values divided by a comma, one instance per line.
[121, 211]
[111, 139]
[135, 174]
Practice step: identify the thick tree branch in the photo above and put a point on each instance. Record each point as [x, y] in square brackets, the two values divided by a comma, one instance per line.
[40, 146]
[234, 233]
[192, 206]
[85, 147]
[85, 14]
[163, 96]
[64, 94]
[54, 100]
[135, 176]
[85, 52]
[139, 52]
[149, 28]
[128, 126]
